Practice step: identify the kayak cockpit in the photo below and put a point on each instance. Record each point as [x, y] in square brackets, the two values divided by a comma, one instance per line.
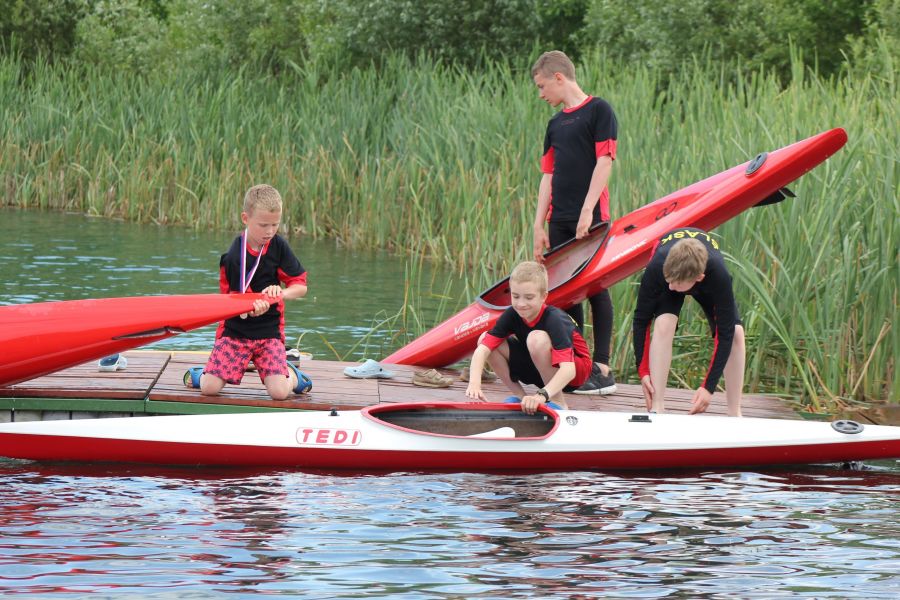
[563, 263]
[488, 421]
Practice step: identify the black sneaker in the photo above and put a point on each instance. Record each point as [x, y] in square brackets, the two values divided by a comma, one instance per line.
[598, 384]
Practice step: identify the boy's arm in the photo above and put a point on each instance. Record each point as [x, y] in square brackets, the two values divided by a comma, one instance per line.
[294, 286]
[647, 296]
[726, 319]
[599, 180]
[291, 273]
[541, 241]
[564, 374]
[296, 290]
[476, 367]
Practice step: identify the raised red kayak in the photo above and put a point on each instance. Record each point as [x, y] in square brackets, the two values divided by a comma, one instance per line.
[582, 268]
[40, 338]
[449, 437]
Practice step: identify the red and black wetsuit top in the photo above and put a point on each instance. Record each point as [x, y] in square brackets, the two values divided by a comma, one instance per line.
[277, 265]
[714, 293]
[575, 138]
[568, 345]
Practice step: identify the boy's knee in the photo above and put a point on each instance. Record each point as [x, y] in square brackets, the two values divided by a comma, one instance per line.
[739, 336]
[279, 394]
[210, 385]
[665, 325]
[537, 340]
[278, 389]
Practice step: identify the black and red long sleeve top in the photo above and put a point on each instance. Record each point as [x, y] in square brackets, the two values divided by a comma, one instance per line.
[714, 293]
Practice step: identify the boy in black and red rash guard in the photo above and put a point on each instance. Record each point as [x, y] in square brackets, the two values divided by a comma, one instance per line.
[532, 343]
[259, 260]
[579, 149]
[687, 261]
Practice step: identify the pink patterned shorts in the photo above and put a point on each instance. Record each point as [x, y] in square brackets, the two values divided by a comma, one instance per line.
[230, 357]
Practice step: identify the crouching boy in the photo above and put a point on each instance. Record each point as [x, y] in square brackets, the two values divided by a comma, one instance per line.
[687, 262]
[532, 343]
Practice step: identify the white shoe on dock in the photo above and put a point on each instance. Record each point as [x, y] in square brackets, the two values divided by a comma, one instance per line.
[113, 363]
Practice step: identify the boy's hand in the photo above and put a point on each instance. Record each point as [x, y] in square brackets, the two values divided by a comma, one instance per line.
[273, 291]
[259, 307]
[541, 243]
[648, 390]
[584, 224]
[473, 391]
[700, 401]
[531, 403]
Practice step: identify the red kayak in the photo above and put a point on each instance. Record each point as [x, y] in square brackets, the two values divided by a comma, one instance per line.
[582, 268]
[40, 338]
[442, 436]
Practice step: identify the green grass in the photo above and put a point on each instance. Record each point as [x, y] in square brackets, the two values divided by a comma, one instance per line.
[442, 164]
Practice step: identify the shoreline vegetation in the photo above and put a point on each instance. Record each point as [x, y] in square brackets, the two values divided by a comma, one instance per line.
[441, 163]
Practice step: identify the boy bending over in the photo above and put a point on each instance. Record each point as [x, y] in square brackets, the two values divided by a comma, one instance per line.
[685, 262]
[532, 343]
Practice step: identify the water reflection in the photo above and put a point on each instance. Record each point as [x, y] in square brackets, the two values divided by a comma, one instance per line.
[819, 533]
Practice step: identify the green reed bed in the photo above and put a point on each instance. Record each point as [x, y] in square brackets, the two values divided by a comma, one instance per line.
[442, 163]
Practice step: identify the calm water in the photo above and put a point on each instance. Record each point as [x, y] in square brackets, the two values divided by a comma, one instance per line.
[823, 533]
[53, 256]
[816, 532]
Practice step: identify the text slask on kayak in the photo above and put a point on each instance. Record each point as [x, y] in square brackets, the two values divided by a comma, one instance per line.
[688, 233]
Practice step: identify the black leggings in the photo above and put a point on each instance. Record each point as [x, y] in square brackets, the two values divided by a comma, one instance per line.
[601, 304]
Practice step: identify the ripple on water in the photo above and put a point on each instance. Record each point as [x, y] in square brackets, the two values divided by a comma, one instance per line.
[556, 535]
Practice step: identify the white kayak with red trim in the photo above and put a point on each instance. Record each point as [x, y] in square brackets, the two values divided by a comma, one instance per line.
[450, 437]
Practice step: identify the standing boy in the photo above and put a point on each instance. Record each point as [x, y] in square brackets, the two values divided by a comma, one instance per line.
[687, 261]
[579, 149]
[532, 343]
[259, 260]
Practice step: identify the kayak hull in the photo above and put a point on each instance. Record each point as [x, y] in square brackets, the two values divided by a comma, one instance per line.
[583, 269]
[448, 437]
[43, 337]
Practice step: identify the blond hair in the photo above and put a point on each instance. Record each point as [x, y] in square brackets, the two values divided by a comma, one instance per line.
[686, 261]
[263, 197]
[530, 271]
[554, 62]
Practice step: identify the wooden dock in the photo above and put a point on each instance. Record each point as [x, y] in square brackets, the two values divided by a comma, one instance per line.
[153, 384]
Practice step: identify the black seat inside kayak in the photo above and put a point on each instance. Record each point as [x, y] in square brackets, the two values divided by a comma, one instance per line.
[563, 263]
[470, 423]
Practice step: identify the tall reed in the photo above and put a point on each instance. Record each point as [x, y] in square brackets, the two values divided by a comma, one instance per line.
[440, 162]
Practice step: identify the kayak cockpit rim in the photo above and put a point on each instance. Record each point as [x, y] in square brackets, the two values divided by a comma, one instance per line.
[466, 420]
[564, 262]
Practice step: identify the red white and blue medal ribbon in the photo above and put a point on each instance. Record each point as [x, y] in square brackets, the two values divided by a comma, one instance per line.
[246, 278]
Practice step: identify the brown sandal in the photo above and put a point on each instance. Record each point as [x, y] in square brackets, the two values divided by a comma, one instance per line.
[487, 376]
[431, 378]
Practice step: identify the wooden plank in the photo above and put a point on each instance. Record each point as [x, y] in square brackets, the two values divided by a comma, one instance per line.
[331, 389]
[85, 381]
[629, 397]
[156, 378]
